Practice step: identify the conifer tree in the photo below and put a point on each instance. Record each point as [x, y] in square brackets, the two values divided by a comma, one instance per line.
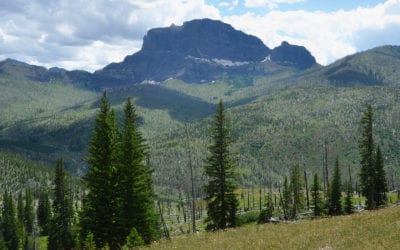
[335, 195]
[222, 177]
[296, 190]
[28, 212]
[20, 209]
[348, 204]
[100, 205]
[286, 199]
[44, 213]
[316, 196]
[367, 169]
[135, 185]
[8, 223]
[60, 232]
[267, 213]
[380, 179]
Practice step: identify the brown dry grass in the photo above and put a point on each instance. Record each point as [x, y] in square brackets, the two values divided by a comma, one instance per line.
[365, 230]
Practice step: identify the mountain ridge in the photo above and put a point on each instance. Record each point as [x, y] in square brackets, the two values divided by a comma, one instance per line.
[199, 50]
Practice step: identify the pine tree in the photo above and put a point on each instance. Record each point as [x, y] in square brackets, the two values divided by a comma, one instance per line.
[296, 189]
[220, 168]
[367, 170]
[8, 223]
[267, 213]
[20, 209]
[348, 204]
[44, 213]
[60, 232]
[380, 179]
[316, 196]
[28, 212]
[335, 195]
[286, 198]
[135, 183]
[100, 205]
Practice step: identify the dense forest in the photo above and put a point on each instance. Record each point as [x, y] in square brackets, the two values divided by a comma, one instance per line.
[174, 141]
[115, 205]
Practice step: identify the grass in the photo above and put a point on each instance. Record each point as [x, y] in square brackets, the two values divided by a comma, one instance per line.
[366, 230]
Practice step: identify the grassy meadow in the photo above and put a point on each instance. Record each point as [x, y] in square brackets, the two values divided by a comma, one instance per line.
[365, 230]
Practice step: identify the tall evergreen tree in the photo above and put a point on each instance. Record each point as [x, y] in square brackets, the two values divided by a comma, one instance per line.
[28, 212]
[348, 204]
[380, 179]
[220, 168]
[20, 209]
[286, 198]
[44, 213]
[316, 196]
[296, 189]
[334, 200]
[8, 223]
[367, 170]
[60, 232]
[100, 206]
[135, 185]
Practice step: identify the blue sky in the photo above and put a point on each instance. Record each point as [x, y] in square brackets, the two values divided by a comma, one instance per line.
[227, 8]
[89, 34]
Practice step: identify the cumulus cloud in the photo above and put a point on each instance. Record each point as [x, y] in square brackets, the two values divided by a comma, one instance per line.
[328, 35]
[88, 34]
[272, 4]
[72, 34]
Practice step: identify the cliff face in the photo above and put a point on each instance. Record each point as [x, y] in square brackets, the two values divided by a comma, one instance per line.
[199, 50]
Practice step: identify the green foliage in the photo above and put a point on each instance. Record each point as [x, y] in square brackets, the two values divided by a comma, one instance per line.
[60, 226]
[335, 191]
[296, 188]
[100, 205]
[380, 179]
[316, 199]
[8, 223]
[133, 240]
[17, 174]
[372, 173]
[220, 168]
[135, 183]
[367, 162]
[348, 200]
[28, 212]
[119, 182]
[286, 198]
[20, 209]
[267, 212]
[44, 213]
[89, 243]
[247, 217]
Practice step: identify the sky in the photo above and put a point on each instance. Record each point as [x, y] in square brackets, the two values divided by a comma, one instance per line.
[89, 34]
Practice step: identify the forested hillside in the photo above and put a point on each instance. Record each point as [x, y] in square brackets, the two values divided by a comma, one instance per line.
[277, 120]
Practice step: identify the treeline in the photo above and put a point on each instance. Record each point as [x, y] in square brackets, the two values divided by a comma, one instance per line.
[117, 208]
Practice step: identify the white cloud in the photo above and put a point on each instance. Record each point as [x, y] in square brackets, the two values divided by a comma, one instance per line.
[88, 34]
[272, 4]
[328, 35]
[72, 33]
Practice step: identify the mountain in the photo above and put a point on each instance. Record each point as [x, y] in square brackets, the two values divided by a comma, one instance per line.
[378, 66]
[281, 103]
[198, 51]
[22, 70]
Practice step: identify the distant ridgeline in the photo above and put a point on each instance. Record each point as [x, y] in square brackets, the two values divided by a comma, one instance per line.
[198, 51]
[282, 104]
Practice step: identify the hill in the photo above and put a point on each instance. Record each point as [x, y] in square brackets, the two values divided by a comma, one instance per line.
[365, 230]
[282, 110]
[18, 174]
